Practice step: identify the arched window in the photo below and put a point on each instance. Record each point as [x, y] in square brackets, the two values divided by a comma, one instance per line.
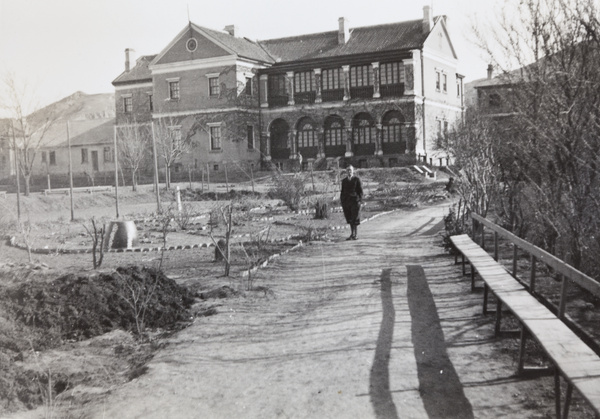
[363, 129]
[307, 137]
[392, 127]
[334, 127]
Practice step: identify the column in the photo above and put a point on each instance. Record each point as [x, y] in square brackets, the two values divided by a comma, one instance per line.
[289, 85]
[376, 93]
[317, 71]
[378, 139]
[321, 143]
[412, 80]
[264, 90]
[292, 144]
[348, 132]
[346, 69]
[265, 143]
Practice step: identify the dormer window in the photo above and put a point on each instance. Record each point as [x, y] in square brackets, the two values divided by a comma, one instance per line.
[248, 88]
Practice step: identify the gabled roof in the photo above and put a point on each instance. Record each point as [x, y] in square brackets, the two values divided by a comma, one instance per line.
[216, 42]
[388, 37]
[139, 73]
[88, 133]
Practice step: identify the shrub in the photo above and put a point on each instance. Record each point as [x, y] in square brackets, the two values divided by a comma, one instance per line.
[322, 209]
[290, 189]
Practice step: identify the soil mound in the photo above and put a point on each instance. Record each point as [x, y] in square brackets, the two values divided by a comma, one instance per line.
[80, 307]
[47, 313]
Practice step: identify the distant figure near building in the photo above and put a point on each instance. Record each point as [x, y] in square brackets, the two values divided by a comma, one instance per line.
[351, 197]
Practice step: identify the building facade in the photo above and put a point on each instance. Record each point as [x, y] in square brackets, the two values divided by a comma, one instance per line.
[374, 96]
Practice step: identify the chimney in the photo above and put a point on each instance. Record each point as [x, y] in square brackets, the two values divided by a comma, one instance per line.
[490, 71]
[427, 19]
[230, 29]
[343, 31]
[129, 57]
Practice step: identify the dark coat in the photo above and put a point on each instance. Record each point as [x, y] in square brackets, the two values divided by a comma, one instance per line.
[350, 198]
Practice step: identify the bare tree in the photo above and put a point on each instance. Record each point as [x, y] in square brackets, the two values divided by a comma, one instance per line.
[29, 125]
[171, 144]
[133, 140]
[548, 52]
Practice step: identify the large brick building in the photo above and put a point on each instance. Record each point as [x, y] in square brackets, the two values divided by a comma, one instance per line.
[377, 95]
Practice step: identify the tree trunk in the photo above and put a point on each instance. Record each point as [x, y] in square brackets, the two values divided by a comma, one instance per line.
[133, 183]
[27, 184]
[168, 177]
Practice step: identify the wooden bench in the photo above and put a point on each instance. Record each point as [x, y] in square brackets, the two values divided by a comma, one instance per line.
[573, 359]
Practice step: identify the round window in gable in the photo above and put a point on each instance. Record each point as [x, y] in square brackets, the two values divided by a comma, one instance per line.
[191, 45]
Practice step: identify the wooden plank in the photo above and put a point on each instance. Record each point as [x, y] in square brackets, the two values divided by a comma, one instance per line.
[552, 261]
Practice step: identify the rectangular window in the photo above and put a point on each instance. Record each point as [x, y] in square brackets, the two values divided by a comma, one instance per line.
[213, 86]
[331, 79]
[84, 155]
[360, 76]
[390, 73]
[445, 83]
[457, 87]
[303, 82]
[250, 135]
[44, 157]
[150, 103]
[174, 90]
[52, 156]
[437, 80]
[215, 138]
[216, 167]
[108, 155]
[439, 128]
[445, 128]
[248, 88]
[127, 104]
[175, 134]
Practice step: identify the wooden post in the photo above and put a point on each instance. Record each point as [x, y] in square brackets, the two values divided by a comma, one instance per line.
[312, 178]
[532, 276]
[155, 158]
[496, 246]
[116, 172]
[202, 180]
[515, 255]
[226, 181]
[71, 175]
[190, 176]
[207, 177]
[252, 178]
[563, 297]
[49, 184]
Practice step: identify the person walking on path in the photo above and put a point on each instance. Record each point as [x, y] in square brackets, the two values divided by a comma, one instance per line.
[350, 198]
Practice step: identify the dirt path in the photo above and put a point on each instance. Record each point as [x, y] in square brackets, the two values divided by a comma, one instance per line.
[382, 327]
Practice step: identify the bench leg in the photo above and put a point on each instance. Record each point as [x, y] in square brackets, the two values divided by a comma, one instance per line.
[472, 277]
[463, 264]
[557, 393]
[485, 298]
[567, 401]
[522, 350]
[498, 317]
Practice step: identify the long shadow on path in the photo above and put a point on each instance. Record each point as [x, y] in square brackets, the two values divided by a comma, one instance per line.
[379, 388]
[440, 388]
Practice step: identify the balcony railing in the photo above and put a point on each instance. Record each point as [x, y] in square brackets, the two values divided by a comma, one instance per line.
[278, 100]
[364, 92]
[305, 97]
[332, 95]
[391, 90]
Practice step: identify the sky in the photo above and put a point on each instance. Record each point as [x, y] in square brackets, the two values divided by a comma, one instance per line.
[58, 47]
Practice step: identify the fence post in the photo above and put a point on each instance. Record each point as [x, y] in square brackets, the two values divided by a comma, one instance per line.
[532, 277]
[563, 297]
[496, 246]
[252, 177]
[207, 177]
[515, 254]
